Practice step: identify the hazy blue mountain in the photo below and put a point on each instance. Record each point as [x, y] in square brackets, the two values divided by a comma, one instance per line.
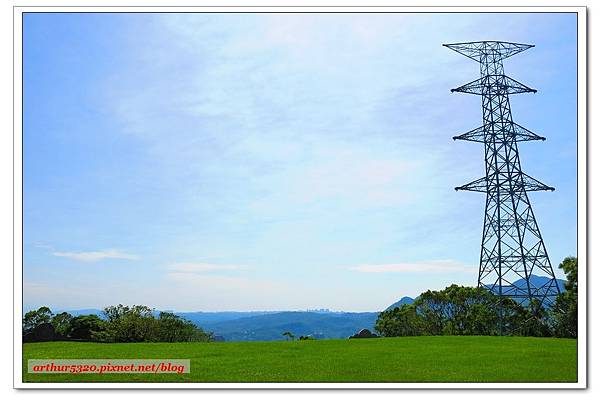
[539, 281]
[403, 301]
[80, 312]
[270, 326]
[199, 318]
[209, 318]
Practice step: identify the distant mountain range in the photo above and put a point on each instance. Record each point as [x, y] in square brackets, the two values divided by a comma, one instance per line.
[204, 319]
[269, 325]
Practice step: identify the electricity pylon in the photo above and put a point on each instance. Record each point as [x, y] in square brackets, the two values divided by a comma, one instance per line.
[512, 249]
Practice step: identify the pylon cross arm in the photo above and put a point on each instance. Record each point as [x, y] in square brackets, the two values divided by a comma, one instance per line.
[478, 50]
[523, 134]
[493, 84]
[531, 184]
[513, 130]
[479, 185]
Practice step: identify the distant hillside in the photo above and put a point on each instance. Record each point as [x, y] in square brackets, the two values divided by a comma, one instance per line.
[80, 312]
[203, 319]
[539, 281]
[199, 318]
[268, 327]
[403, 301]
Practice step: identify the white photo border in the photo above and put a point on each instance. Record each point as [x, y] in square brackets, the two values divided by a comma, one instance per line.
[582, 193]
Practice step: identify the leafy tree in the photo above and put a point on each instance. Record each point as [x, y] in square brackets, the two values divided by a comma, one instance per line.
[564, 312]
[114, 313]
[481, 319]
[569, 266]
[172, 328]
[432, 307]
[139, 324]
[469, 311]
[85, 327]
[62, 323]
[514, 314]
[122, 323]
[127, 324]
[458, 310]
[534, 322]
[32, 319]
[399, 322]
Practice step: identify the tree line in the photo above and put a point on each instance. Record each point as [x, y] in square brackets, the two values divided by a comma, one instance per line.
[121, 323]
[455, 310]
[458, 310]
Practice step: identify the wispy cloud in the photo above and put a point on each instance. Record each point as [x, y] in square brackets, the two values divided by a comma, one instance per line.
[201, 267]
[41, 245]
[95, 256]
[430, 266]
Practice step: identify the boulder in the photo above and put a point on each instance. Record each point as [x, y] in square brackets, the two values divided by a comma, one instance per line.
[364, 333]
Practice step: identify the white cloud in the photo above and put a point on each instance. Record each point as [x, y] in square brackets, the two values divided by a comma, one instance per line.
[95, 256]
[41, 245]
[430, 266]
[201, 267]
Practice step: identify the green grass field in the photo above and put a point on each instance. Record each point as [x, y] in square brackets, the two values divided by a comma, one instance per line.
[407, 359]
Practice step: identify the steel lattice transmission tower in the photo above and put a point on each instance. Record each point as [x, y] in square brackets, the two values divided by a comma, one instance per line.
[512, 249]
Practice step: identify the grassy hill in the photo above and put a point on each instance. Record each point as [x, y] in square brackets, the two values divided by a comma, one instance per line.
[406, 359]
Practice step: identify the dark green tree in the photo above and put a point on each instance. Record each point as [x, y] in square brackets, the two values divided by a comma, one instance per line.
[84, 327]
[62, 323]
[172, 328]
[34, 318]
[458, 310]
[127, 324]
[140, 324]
[564, 312]
[534, 322]
[433, 308]
[400, 322]
[469, 311]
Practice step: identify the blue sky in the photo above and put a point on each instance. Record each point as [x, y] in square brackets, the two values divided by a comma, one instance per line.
[274, 161]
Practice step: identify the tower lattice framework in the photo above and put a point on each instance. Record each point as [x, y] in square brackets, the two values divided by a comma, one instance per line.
[512, 248]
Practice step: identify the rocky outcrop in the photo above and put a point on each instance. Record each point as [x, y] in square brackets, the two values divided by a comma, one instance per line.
[364, 333]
